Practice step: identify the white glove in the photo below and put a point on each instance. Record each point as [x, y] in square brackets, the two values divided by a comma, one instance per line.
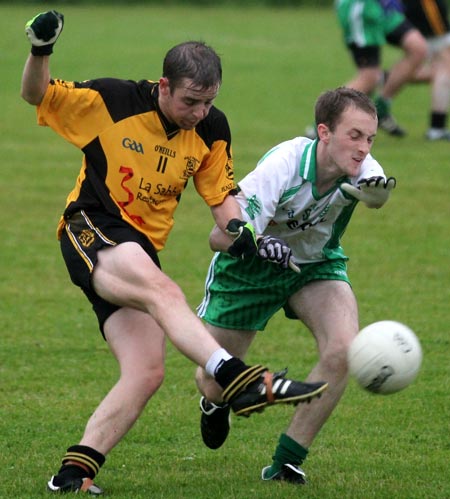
[373, 191]
[43, 31]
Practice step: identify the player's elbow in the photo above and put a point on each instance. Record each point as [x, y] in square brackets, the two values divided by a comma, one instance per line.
[30, 97]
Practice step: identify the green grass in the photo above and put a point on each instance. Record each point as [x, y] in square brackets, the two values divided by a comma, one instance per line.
[54, 367]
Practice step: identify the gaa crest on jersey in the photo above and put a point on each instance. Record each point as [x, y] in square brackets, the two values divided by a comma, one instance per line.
[133, 145]
[86, 237]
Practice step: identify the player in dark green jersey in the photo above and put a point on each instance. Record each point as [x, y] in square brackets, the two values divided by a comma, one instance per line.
[367, 25]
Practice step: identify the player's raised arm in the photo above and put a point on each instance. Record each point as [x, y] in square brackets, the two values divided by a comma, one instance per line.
[42, 31]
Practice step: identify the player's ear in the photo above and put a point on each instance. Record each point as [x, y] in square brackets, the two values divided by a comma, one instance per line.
[164, 87]
[323, 132]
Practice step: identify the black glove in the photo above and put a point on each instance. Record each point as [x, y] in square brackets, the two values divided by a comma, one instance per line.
[274, 249]
[43, 31]
[244, 243]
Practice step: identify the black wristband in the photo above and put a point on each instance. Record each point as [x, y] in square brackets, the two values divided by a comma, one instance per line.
[44, 50]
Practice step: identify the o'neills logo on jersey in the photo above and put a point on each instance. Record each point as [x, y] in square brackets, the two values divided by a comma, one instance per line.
[133, 145]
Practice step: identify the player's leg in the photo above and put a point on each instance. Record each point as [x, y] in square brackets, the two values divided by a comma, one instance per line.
[138, 344]
[236, 342]
[415, 51]
[366, 79]
[414, 47]
[215, 414]
[329, 310]
[440, 93]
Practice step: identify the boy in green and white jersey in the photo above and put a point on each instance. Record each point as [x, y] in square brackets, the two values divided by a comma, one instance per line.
[300, 199]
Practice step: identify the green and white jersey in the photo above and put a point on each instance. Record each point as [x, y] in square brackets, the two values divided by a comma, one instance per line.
[279, 197]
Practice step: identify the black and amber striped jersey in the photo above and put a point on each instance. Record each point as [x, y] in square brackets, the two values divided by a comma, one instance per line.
[430, 17]
[136, 164]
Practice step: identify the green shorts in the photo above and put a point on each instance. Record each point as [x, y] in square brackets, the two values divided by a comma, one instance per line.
[365, 23]
[245, 295]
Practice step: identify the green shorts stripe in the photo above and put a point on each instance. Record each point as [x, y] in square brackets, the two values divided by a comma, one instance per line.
[245, 294]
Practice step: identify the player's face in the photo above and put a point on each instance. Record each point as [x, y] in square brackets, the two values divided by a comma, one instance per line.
[186, 105]
[351, 141]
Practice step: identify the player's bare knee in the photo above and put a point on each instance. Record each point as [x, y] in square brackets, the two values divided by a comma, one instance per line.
[148, 381]
[170, 293]
[334, 358]
[415, 47]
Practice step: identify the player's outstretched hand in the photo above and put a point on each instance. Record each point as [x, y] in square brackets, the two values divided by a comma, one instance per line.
[43, 31]
[244, 236]
[373, 191]
[274, 249]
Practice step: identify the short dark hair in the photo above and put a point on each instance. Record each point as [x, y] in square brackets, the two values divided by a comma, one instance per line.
[193, 60]
[331, 104]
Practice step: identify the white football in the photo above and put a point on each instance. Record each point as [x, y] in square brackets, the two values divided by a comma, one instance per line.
[385, 357]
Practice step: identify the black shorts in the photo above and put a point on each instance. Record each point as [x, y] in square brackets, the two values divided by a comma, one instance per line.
[83, 236]
[366, 57]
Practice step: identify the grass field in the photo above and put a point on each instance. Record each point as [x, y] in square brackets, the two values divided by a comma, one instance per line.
[54, 367]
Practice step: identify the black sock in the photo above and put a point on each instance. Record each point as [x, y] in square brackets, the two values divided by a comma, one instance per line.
[80, 461]
[438, 120]
[229, 370]
[69, 473]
